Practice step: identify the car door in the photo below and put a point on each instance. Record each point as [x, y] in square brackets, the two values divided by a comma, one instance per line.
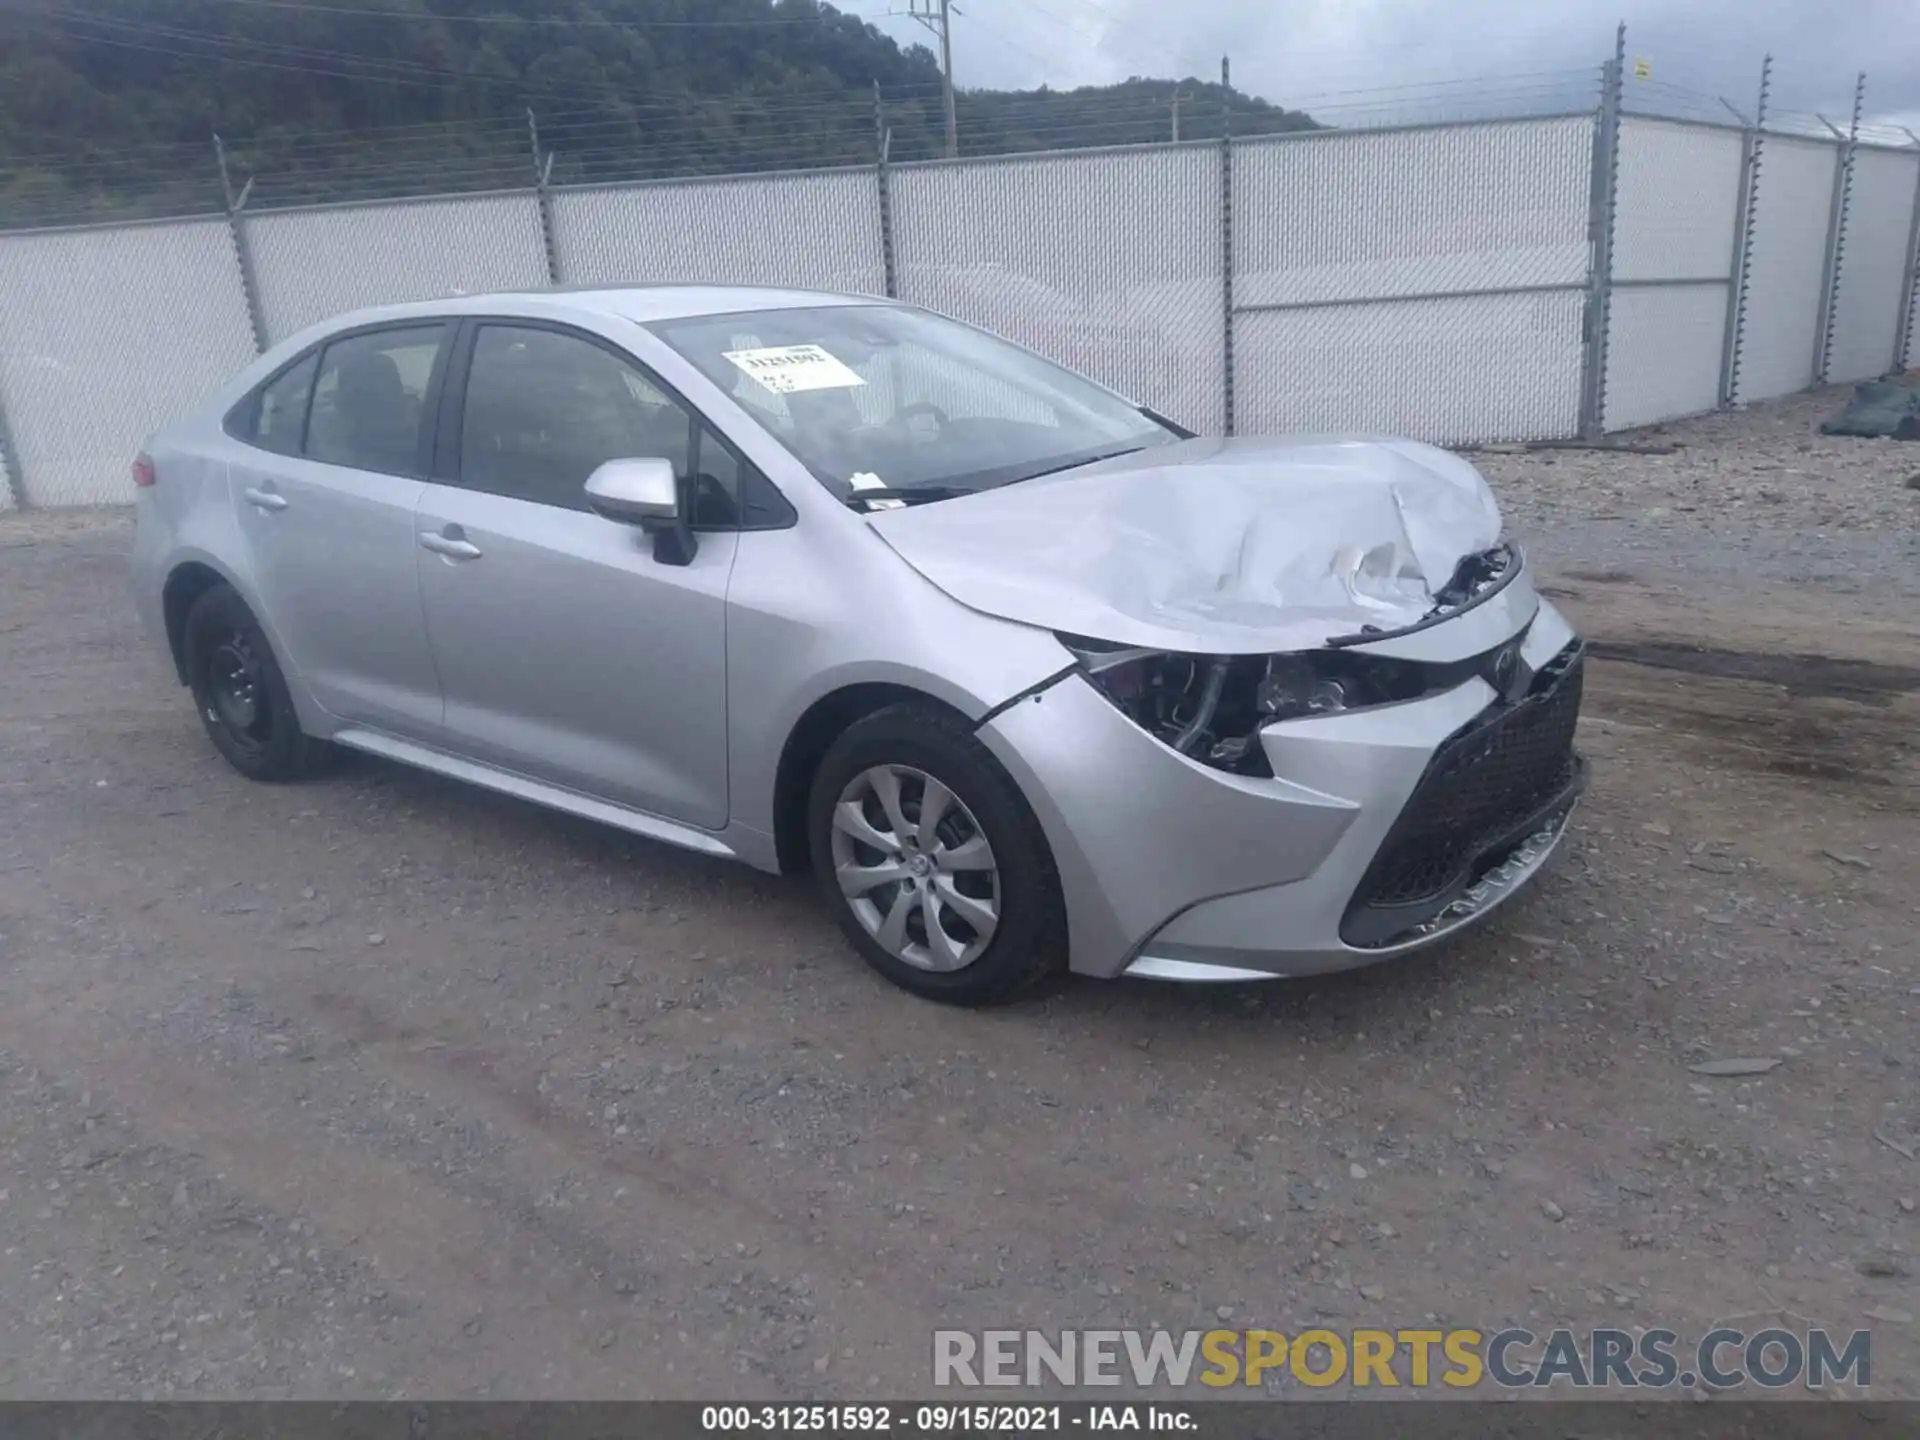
[566, 651]
[325, 492]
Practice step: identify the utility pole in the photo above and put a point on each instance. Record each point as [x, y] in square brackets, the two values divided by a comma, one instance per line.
[1174, 105]
[937, 16]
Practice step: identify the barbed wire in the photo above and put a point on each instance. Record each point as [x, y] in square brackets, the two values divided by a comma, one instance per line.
[827, 15]
[595, 142]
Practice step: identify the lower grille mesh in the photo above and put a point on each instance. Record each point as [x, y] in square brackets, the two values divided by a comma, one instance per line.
[1484, 782]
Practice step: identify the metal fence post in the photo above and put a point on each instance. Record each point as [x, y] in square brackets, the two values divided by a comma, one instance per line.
[13, 485]
[242, 251]
[1910, 292]
[543, 197]
[1603, 190]
[1226, 247]
[1745, 211]
[882, 144]
[1837, 238]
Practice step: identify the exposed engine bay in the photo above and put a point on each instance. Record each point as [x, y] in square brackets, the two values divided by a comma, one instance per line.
[1474, 578]
[1212, 707]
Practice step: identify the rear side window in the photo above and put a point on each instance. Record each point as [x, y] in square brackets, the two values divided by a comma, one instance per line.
[282, 412]
[370, 399]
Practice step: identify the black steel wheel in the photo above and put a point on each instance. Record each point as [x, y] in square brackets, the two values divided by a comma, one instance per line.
[240, 692]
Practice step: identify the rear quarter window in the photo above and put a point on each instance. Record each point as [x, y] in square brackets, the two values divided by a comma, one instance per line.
[370, 399]
[280, 412]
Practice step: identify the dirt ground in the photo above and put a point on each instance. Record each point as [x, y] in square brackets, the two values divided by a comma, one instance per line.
[381, 1086]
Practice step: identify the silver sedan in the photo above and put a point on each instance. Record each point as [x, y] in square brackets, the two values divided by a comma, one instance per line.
[1029, 677]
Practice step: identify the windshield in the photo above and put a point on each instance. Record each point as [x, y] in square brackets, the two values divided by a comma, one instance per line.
[876, 399]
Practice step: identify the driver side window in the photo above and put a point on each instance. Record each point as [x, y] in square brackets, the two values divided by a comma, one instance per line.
[544, 410]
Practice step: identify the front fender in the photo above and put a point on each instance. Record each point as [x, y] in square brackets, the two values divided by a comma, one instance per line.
[807, 620]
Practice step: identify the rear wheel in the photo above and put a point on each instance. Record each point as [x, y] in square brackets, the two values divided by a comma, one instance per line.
[240, 692]
[931, 861]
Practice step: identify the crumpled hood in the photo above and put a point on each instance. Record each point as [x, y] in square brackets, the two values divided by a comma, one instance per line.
[1211, 545]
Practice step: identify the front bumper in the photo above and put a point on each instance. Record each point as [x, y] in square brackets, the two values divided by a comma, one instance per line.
[1173, 870]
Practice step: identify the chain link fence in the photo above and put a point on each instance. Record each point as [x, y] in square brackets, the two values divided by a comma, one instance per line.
[1873, 264]
[1457, 282]
[1912, 357]
[1109, 263]
[1794, 189]
[1425, 282]
[810, 230]
[102, 334]
[314, 263]
[1676, 228]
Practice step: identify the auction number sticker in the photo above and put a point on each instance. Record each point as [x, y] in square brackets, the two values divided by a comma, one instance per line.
[784, 369]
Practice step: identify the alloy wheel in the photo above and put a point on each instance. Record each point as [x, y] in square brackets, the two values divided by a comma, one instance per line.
[915, 867]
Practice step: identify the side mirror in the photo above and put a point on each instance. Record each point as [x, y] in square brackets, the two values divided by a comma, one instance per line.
[644, 493]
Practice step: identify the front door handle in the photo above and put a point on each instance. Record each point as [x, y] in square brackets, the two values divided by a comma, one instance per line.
[265, 499]
[448, 546]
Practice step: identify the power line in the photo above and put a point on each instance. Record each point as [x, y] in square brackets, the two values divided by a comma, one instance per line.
[218, 43]
[1007, 42]
[1109, 37]
[569, 124]
[937, 16]
[827, 16]
[322, 63]
[325, 63]
[312, 71]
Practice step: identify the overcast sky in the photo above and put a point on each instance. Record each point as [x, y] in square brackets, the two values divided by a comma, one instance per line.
[1288, 50]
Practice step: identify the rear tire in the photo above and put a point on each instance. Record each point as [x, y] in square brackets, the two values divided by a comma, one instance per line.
[966, 910]
[241, 694]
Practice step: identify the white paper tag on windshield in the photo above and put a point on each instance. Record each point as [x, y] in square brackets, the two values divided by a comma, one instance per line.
[784, 369]
[867, 480]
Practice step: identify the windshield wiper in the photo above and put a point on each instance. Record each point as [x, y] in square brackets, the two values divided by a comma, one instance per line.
[1076, 464]
[909, 495]
[1165, 424]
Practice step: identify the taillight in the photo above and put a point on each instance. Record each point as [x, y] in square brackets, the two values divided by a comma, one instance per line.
[143, 472]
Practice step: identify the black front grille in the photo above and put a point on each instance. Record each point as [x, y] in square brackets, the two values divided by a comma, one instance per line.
[1487, 788]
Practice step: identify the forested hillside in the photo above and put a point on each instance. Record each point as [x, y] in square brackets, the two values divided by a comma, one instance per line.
[110, 106]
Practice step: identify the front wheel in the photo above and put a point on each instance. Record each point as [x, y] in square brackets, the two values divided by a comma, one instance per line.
[931, 861]
[240, 692]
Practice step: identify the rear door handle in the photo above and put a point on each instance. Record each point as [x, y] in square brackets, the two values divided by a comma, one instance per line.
[451, 548]
[265, 499]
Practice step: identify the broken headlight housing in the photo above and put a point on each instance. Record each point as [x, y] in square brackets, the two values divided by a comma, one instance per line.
[1212, 707]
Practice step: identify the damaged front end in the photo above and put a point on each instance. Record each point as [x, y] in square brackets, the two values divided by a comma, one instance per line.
[1211, 708]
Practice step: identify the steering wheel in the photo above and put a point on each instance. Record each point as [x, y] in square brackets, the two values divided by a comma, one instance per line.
[919, 407]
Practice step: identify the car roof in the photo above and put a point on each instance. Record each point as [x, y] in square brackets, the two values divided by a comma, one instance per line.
[638, 303]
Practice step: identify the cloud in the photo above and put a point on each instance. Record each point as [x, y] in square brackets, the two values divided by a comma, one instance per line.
[1338, 52]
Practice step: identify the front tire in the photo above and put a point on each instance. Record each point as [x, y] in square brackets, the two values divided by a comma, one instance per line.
[240, 692]
[932, 862]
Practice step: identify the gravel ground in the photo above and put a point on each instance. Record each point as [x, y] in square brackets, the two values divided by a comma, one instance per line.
[380, 1086]
[1750, 500]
